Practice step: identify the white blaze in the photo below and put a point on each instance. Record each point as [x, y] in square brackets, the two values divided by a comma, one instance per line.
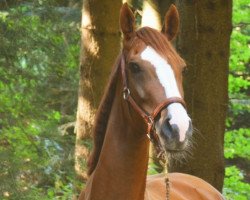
[167, 79]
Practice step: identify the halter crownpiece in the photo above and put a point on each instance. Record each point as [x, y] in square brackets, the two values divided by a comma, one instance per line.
[148, 118]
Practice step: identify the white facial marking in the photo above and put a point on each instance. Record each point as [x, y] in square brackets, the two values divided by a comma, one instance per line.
[167, 79]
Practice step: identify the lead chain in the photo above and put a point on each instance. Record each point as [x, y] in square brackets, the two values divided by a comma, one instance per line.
[167, 182]
[163, 162]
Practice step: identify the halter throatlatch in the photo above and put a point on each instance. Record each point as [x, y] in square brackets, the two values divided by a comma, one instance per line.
[148, 118]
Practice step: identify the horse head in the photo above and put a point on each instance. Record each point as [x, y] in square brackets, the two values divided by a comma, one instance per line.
[154, 75]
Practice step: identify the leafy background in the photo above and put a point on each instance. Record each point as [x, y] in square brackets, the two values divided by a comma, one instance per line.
[237, 136]
[39, 57]
[40, 43]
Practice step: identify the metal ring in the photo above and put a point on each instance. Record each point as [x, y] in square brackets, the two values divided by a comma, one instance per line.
[126, 93]
[150, 120]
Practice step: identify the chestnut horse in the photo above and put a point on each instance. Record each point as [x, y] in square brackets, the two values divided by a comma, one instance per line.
[144, 97]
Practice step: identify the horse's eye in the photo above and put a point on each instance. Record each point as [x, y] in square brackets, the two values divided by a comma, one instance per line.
[134, 68]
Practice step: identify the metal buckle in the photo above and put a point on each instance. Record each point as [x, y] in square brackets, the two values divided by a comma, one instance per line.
[126, 93]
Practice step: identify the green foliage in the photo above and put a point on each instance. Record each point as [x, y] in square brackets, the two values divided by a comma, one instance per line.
[237, 137]
[237, 143]
[241, 11]
[152, 168]
[236, 188]
[237, 84]
[38, 88]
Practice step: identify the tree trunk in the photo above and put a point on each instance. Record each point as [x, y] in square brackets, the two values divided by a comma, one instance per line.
[151, 15]
[204, 44]
[100, 46]
[133, 3]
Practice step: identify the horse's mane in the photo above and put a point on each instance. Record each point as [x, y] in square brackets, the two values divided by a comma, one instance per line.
[158, 42]
[102, 116]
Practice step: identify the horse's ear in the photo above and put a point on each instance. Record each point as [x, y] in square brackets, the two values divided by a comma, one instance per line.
[127, 21]
[171, 24]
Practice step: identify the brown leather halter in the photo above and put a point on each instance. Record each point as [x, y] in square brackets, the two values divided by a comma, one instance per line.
[148, 118]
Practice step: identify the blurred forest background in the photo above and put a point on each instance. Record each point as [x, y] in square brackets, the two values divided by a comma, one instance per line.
[40, 44]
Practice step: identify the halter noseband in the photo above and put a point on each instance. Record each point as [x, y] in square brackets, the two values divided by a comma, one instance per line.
[148, 118]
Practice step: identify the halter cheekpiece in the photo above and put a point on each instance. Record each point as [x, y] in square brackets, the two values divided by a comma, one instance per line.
[148, 118]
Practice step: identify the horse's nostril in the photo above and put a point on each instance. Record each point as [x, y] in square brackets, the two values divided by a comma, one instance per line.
[168, 117]
[169, 131]
[171, 127]
[175, 129]
[167, 123]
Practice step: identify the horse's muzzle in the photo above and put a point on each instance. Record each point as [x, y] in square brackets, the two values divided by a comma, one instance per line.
[170, 136]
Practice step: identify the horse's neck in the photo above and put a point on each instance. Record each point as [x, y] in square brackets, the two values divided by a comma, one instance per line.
[122, 166]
